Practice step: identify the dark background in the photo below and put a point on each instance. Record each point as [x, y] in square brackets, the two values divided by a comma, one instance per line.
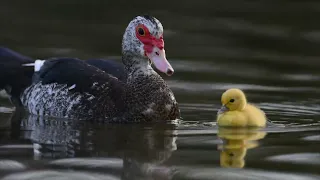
[268, 48]
[257, 31]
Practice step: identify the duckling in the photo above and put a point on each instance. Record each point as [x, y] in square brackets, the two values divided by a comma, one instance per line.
[236, 112]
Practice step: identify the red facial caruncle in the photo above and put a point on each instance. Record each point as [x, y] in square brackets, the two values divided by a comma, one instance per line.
[154, 49]
[148, 40]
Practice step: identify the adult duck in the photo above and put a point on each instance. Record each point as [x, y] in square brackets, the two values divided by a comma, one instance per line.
[71, 88]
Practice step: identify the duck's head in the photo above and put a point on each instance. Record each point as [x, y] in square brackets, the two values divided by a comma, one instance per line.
[233, 100]
[143, 44]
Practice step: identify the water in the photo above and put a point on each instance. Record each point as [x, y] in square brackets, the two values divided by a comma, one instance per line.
[270, 49]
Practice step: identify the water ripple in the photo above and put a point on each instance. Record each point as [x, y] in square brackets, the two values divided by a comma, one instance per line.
[89, 162]
[204, 173]
[209, 87]
[52, 175]
[298, 158]
[291, 109]
[10, 165]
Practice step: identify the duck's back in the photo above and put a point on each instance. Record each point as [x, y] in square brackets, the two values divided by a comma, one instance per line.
[256, 117]
[70, 88]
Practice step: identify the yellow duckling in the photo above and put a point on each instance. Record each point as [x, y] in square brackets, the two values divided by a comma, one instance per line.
[235, 111]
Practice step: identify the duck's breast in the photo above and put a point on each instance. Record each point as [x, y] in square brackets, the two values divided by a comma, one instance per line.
[232, 118]
[150, 99]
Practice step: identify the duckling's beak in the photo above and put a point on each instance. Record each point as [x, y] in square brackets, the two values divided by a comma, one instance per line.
[223, 109]
[158, 57]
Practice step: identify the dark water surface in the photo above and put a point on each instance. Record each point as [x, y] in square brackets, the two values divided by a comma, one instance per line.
[270, 49]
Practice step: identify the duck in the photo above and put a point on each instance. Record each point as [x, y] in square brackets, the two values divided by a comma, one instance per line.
[237, 112]
[72, 88]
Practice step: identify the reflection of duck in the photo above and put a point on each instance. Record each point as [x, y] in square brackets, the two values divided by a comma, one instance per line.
[235, 146]
[103, 139]
[71, 88]
[235, 111]
[140, 146]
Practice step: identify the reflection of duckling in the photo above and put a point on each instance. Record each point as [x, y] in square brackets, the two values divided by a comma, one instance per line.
[233, 156]
[235, 146]
[235, 111]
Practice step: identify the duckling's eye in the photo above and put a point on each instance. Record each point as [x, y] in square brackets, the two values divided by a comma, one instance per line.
[141, 31]
[231, 100]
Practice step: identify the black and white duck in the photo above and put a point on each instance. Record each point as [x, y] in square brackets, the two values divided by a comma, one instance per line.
[71, 88]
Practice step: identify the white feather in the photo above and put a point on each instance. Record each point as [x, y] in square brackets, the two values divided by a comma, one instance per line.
[37, 64]
[72, 87]
[28, 64]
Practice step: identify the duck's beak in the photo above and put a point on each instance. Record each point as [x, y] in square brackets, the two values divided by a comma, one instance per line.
[158, 57]
[223, 109]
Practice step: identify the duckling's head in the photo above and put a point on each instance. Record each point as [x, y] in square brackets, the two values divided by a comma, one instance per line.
[143, 44]
[232, 100]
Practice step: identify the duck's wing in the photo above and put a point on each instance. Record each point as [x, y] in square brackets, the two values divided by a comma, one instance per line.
[112, 67]
[72, 72]
[69, 87]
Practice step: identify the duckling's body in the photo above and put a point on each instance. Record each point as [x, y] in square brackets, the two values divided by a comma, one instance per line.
[249, 116]
[237, 112]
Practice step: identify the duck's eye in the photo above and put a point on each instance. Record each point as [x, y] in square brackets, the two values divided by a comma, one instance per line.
[231, 100]
[141, 31]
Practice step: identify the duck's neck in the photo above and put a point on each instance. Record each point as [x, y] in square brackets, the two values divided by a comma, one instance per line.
[137, 67]
[144, 87]
[243, 105]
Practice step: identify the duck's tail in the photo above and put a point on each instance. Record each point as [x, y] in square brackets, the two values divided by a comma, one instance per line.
[14, 77]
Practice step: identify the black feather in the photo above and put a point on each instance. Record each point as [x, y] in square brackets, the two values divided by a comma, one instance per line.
[110, 66]
[151, 19]
[14, 77]
[71, 71]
